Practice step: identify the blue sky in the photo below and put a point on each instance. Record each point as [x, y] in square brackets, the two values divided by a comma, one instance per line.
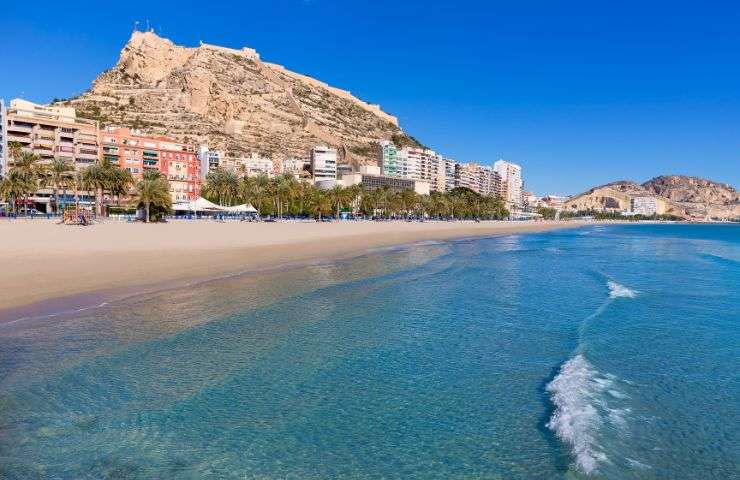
[577, 92]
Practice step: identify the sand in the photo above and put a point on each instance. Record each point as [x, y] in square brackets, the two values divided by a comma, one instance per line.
[41, 260]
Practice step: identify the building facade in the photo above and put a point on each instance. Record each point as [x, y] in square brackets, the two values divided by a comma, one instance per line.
[644, 206]
[388, 158]
[50, 132]
[323, 164]
[136, 152]
[511, 182]
[3, 139]
[209, 159]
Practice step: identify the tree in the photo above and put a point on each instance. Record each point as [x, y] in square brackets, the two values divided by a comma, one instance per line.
[321, 203]
[58, 173]
[14, 186]
[153, 190]
[120, 182]
[27, 165]
[97, 176]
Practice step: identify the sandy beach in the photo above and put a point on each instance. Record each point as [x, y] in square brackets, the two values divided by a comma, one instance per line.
[42, 260]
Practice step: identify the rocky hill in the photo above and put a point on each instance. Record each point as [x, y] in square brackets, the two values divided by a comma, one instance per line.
[689, 197]
[233, 101]
[698, 196]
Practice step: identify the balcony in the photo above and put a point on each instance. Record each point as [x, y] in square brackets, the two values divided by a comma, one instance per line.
[18, 138]
[19, 128]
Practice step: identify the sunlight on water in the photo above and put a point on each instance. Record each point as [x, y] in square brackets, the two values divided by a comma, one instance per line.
[489, 358]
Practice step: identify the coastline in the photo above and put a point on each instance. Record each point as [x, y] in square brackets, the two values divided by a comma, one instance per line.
[45, 264]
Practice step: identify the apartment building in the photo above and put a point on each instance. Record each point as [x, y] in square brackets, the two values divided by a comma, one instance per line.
[3, 138]
[644, 206]
[511, 182]
[323, 164]
[209, 159]
[388, 158]
[138, 152]
[50, 132]
[432, 170]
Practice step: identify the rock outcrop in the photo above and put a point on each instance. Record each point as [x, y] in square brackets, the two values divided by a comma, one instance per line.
[233, 101]
[701, 198]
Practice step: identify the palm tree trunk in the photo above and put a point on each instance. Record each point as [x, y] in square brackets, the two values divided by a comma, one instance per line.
[146, 206]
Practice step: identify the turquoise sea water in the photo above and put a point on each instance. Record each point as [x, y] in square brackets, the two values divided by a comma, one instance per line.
[601, 352]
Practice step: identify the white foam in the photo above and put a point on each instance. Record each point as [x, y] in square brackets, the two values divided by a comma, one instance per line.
[617, 290]
[581, 410]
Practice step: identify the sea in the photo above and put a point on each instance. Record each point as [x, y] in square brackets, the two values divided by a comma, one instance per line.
[602, 352]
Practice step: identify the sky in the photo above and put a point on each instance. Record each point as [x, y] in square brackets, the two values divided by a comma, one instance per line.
[579, 93]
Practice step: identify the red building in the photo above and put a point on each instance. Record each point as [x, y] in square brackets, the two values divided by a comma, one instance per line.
[136, 152]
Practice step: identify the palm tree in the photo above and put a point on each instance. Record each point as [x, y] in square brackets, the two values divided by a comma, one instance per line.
[321, 203]
[58, 172]
[120, 183]
[27, 165]
[153, 190]
[14, 186]
[97, 176]
[339, 196]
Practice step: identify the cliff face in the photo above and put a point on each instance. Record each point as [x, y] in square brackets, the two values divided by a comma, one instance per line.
[698, 196]
[232, 101]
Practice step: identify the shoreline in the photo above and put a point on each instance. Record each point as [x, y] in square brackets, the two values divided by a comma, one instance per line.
[48, 267]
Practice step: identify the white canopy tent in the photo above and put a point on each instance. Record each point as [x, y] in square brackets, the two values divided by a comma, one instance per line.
[204, 206]
[197, 206]
[243, 208]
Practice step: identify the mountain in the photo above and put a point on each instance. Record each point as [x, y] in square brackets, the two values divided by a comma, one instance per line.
[689, 197]
[698, 196]
[233, 101]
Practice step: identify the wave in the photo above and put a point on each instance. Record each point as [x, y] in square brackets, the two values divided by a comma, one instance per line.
[617, 290]
[582, 410]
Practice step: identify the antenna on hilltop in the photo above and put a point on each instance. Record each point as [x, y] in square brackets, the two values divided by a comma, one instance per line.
[136, 26]
[147, 25]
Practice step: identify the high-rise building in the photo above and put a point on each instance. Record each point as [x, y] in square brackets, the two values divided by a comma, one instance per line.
[432, 170]
[136, 152]
[409, 163]
[450, 175]
[388, 158]
[511, 182]
[3, 138]
[323, 164]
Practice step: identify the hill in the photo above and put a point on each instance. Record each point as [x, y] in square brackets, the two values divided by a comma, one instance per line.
[233, 101]
[699, 197]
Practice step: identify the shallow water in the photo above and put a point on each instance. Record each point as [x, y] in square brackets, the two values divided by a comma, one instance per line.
[602, 352]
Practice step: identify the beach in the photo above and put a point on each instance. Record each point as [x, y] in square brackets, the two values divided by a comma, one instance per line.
[42, 260]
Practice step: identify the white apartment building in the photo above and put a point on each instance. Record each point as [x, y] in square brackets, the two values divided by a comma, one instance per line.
[3, 139]
[254, 165]
[644, 205]
[408, 164]
[450, 178]
[209, 159]
[432, 170]
[323, 163]
[511, 182]
[293, 166]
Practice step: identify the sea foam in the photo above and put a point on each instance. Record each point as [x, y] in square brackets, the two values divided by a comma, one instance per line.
[581, 411]
[617, 290]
